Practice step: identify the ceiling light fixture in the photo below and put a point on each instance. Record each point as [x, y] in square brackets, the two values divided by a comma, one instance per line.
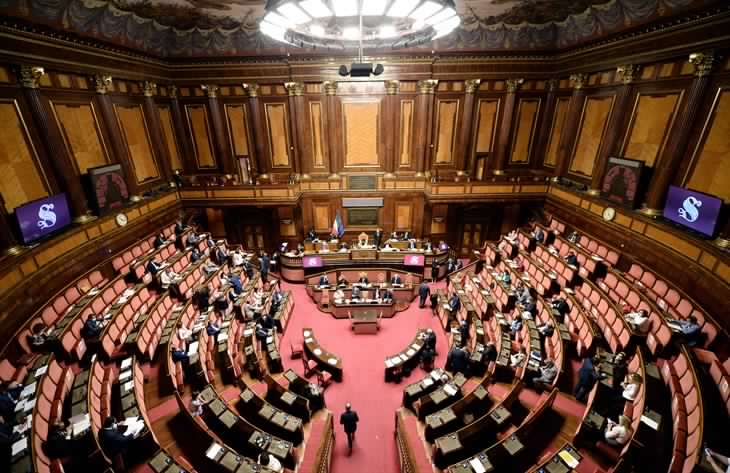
[348, 24]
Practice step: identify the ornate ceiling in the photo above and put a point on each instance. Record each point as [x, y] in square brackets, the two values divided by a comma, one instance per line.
[204, 28]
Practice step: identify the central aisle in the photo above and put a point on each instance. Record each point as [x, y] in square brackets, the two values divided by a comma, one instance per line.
[363, 362]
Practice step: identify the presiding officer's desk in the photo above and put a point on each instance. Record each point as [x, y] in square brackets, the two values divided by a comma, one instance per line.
[292, 267]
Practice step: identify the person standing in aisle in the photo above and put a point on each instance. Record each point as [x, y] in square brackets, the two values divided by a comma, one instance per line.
[349, 421]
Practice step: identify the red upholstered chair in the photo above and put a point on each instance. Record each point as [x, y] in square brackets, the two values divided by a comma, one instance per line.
[324, 378]
[297, 350]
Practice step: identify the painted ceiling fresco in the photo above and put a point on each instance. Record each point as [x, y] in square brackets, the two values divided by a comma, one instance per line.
[198, 28]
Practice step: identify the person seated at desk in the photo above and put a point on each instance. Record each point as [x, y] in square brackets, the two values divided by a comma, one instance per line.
[450, 265]
[59, 443]
[201, 298]
[545, 330]
[464, 331]
[339, 295]
[457, 360]
[237, 258]
[38, 337]
[212, 329]
[196, 404]
[363, 281]
[515, 326]
[631, 386]
[396, 281]
[193, 239]
[249, 310]
[454, 306]
[572, 259]
[184, 334]
[180, 228]
[159, 240]
[342, 281]
[387, 295]
[522, 292]
[92, 327]
[689, 329]
[540, 235]
[394, 236]
[153, 267]
[312, 235]
[114, 443]
[209, 268]
[9, 394]
[412, 244]
[270, 462]
[427, 356]
[490, 352]
[355, 293]
[267, 322]
[324, 281]
[427, 246]
[516, 359]
[573, 237]
[221, 254]
[639, 321]
[378, 237]
[167, 278]
[248, 269]
[548, 373]
[529, 308]
[388, 247]
[505, 277]
[407, 235]
[209, 241]
[560, 307]
[195, 256]
[719, 463]
[617, 434]
[235, 281]
[343, 247]
[518, 264]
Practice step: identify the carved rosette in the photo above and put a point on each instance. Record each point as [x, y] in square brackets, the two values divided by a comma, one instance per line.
[514, 84]
[578, 80]
[627, 73]
[472, 85]
[251, 89]
[294, 88]
[391, 87]
[149, 88]
[102, 83]
[704, 62]
[330, 87]
[427, 86]
[30, 76]
[210, 89]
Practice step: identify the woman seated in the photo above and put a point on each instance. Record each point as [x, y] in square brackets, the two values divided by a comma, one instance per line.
[617, 434]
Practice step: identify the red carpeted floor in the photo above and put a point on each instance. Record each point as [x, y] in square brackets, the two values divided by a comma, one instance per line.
[363, 360]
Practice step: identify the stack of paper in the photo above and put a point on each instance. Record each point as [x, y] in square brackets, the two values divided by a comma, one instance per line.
[477, 465]
[193, 348]
[20, 446]
[126, 363]
[124, 375]
[450, 389]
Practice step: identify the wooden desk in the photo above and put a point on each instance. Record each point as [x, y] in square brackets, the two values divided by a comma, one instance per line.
[406, 360]
[326, 361]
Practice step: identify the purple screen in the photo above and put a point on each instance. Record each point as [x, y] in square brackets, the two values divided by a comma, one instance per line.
[42, 217]
[312, 261]
[692, 209]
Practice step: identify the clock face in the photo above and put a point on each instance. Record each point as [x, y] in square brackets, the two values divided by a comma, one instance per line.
[609, 213]
[121, 219]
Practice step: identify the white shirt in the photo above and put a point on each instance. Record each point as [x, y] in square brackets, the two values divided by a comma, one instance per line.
[630, 391]
[617, 433]
[274, 464]
[516, 359]
[237, 259]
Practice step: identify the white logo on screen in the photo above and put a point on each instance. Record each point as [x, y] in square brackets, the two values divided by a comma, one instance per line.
[47, 216]
[689, 210]
[414, 259]
[313, 262]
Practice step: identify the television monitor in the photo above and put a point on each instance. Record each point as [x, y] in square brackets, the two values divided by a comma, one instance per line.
[43, 217]
[108, 188]
[414, 260]
[312, 262]
[692, 209]
[621, 182]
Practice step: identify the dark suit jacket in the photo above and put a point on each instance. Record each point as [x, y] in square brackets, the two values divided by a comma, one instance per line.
[265, 263]
[324, 281]
[113, 442]
[349, 419]
[153, 267]
[459, 360]
[396, 280]
[424, 291]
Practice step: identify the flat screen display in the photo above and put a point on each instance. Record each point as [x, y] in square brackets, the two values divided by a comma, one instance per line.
[312, 262]
[621, 181]
[692, 209]
[43, 217]
[108, 187]
[414, 260]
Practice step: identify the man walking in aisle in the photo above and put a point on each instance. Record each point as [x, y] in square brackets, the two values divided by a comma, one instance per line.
[349, 420]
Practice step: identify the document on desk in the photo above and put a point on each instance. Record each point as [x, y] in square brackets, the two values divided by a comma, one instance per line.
[193, 348]
[213, 451]
[126, 363]
[388, 363]
[27, 390]
[20, 446]
[41, 371]
[569, 459]
[450, 389]
[125, 374]
[427, 382]
[477, 466]
[81, 425]
[650, 422]
[135, 425]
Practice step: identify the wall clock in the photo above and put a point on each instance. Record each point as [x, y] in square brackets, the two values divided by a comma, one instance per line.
[121, 219]
[609, 213]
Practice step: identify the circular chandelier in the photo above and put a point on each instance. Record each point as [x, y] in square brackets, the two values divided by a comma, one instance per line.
[341, 24]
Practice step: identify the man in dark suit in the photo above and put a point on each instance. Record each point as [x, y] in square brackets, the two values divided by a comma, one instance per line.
[490, 352]
[265, 264]
[355, 293]
[114, 443]
[560, 306]
[92, 327]
[324, 281]
[396, 280]
[153, 267]
[587, 377]
[464, 331]
[378, 237]
[363, 280]
[450, 266]
[342, 281]
[434, 302]
[411, 244]
[430, 339]
[457, 360]
[235, 282]
[407, 235]
[193, 239]
[248, 268]
[349, 421]
[159, 240]
[454, 305]
[434, 270]
[311, 234]
[179, 228]
[423, 292]
[540, 235]
[394, 235]
[571, 259]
